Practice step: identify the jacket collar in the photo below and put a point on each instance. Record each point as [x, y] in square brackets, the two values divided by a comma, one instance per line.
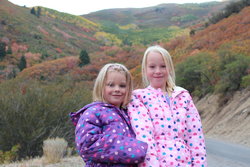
[177, 90]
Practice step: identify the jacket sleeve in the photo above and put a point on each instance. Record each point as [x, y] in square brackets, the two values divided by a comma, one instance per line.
[144, 129]
[95, 145]
[195, 137]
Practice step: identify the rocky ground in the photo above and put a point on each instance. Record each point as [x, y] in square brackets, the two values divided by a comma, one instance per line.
[228, 122]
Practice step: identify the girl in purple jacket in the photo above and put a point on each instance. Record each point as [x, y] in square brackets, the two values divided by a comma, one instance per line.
[164, 115]
[103, 134]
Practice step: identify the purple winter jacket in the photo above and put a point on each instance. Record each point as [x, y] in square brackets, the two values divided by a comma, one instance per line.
[104, 137]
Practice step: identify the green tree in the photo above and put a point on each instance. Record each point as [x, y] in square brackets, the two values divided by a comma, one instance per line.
[33, 11]
[2, 50]
[39, 11]
[84, 58]
[192, 32]
[233, 67]
[197, 74]
[9, 51]
[22, 63]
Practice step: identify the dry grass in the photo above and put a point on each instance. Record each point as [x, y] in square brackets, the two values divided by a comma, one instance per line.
[74, 161]
[54, 150]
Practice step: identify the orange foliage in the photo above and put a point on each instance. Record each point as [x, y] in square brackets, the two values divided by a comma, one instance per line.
[58, 50]
[234, 28]
[18, 47]
[32, 58]
[50, 69]
[65, 35]
[85, 29]
[85, 36]
[177, 42]
[42, 30]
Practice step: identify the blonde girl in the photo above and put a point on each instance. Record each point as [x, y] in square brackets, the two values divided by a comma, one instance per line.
[103, 134]
[164, 115]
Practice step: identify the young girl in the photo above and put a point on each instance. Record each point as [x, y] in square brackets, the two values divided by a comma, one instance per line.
[104, 136]
[164, 116]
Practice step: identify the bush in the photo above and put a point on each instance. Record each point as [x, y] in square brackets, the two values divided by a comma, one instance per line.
[233, 7]
[32, 111]
[245, 81]
[9, 156]
[233, 67]
[54, 150]
[197, 74]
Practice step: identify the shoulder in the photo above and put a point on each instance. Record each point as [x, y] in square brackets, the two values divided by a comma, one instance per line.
[139, 93]
[99, 106]
[179, 90]
[182, 93]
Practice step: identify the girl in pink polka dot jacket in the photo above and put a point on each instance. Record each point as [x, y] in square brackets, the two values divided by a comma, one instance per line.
[103, 134]
[164, 116]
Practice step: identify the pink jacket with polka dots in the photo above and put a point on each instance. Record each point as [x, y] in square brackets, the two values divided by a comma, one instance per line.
[172, 128]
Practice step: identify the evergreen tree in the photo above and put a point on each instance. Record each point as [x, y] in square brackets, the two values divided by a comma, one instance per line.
[33, 11]
[9, 51]
[84, 58]
[22, 63]
[2, 50]
[39, 11]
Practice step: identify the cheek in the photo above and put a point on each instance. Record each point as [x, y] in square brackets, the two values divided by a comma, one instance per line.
[125, 90]
[149, 73]
[105, 92]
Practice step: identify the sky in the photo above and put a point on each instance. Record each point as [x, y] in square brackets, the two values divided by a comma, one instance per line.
[80, 7]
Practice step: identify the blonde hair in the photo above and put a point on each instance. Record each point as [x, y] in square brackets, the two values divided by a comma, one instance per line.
[101, 79]
[169, 66]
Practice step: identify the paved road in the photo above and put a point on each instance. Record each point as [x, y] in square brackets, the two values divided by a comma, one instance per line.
[222, 154]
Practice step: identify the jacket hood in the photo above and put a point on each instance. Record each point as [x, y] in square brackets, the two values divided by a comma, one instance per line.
[75, 116]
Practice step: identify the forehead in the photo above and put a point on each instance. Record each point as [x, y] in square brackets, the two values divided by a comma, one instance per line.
[115, 75]
[155, 57]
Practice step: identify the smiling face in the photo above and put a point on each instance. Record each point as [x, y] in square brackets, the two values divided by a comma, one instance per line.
[156, 70]
[115, 88]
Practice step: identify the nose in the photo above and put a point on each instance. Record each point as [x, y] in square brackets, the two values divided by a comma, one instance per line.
[157, 70]
[117, 89]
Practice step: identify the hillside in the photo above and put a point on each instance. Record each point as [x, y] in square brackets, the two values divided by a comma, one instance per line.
[51, 33]
[39, 38]
[162, 15]
[55, 35]
[230, 32]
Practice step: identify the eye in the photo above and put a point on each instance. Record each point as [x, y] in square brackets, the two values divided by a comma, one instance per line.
[152, 66]
[123, 86]
[110, 85]
[163, 66]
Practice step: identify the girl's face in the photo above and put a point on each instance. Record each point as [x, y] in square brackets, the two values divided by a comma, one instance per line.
[156, 70]
[115, 88]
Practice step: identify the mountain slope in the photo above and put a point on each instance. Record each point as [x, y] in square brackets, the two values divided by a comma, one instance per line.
[49, 31]
[163, 15]
[233, 31]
